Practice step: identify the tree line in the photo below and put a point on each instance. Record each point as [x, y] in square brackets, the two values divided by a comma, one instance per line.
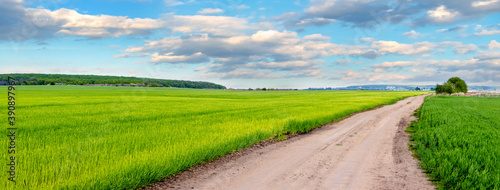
[62, 79]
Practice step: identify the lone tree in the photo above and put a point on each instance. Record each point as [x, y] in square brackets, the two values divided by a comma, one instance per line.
[453, 85]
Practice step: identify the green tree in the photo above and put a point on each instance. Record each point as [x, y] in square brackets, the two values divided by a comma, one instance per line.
[448, 88]
[439, 88]
[458, 84]
[453, 85]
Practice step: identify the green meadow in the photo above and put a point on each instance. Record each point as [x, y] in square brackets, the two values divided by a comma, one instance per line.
[457, 140]
[81, 137]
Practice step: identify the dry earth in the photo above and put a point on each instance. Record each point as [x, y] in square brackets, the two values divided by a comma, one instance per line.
[368, 150]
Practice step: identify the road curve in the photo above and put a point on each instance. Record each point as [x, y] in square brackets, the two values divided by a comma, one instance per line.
[366, 151]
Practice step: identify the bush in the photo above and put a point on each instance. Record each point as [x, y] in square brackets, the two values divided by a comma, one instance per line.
[453, 85]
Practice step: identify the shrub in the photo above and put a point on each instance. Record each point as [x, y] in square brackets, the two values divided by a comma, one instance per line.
[453, 85]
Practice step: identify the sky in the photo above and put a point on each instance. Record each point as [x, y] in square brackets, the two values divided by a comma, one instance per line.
[255, 44]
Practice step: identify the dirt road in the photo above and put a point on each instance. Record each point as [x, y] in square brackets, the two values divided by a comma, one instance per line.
[366, 151]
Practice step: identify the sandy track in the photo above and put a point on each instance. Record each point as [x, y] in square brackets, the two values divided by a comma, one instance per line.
[366, 151]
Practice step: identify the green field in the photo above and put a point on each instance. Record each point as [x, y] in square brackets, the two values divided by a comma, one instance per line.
[73, 137]
[458, 140]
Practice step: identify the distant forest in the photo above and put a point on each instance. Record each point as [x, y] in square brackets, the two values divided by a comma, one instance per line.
[97, 80]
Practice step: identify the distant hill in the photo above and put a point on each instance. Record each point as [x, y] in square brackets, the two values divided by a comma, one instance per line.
[391, 87]
[412, 87]
[402, 87]
[98, 80]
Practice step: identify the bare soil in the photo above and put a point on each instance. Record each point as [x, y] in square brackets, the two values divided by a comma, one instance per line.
[368, 150]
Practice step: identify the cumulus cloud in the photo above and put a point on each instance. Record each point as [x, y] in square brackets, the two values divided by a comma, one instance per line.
[367, 39]
[459, 47]
[268, 50]
[442, 15]
[197, 57]
[241, 6]
[486, 55]
[20, 24]
[487, 32]
[440, 65]
[348, 11]
[16, 23]
[245, 74]
[210, 11]
[73, 23]
[368, 13]
[294, 20]
[480, 70]
[360, 77]
[231, 47]
[284, 53]
[215, 25]
[171, 3]
[458, 28]
[37, 23]
[346, 62]
[404, 49]
[412, 34]
[494, 45]
[484, 3]
[316, 37]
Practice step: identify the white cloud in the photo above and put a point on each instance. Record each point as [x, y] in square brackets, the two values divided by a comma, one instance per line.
[354, 76]
[241, 7]
[215, 25]
[480, 70]
[494, 45]
[275, 36]
[483, 3]
[292, 20]
[442, 15]
[370, 13]
[367, 39]
[72, 23]
[486, 55]
[197, 57]
[412, 34]
[210, 11]
[458, 28]
[404, 49]
[286, 65]
[396, 64]
[245, 74]
[316, 37]
[487, 32]
[278, 53]
[486, 61]
[284, 16]
[459, 47]
[171, 3]
[346, 62]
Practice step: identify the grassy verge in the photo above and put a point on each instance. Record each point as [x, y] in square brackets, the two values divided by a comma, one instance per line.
[457, 140]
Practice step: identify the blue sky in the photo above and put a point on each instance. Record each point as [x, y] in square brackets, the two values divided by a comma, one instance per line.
[242, 44]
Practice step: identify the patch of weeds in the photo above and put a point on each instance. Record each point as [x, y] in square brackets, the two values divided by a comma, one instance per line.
[281, 137]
